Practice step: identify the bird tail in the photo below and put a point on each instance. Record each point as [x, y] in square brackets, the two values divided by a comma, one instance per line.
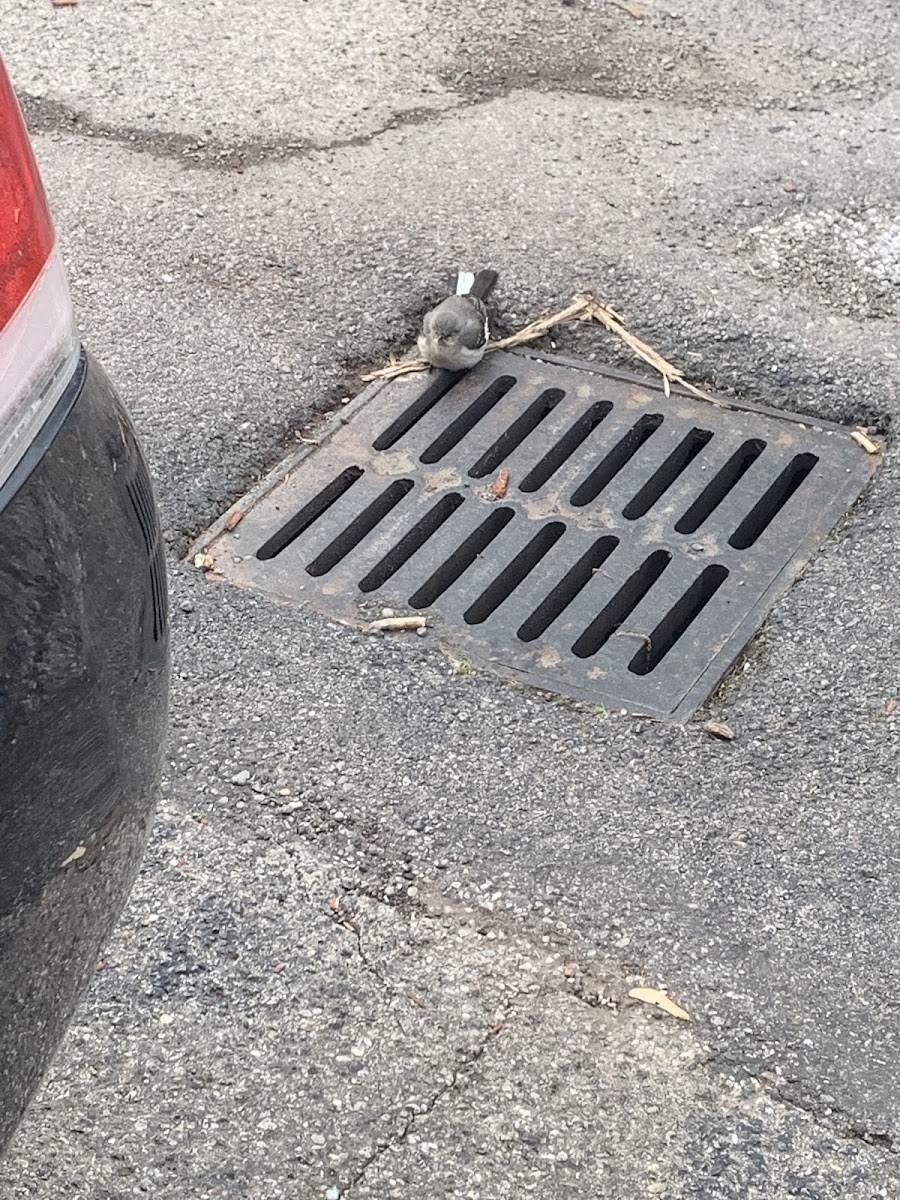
[480, 285]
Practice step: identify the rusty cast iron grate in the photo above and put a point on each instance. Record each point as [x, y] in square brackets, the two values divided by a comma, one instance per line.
[640, 542]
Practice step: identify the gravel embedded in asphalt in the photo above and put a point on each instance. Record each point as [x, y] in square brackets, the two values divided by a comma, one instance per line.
[395, 829]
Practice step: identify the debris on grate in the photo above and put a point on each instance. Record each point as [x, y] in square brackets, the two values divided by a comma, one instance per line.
[562, 524]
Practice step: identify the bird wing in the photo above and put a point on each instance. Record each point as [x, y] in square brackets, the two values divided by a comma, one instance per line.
[475, 330]
[461, 318]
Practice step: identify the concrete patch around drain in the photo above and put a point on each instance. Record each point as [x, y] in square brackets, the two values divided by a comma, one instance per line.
[853, 256]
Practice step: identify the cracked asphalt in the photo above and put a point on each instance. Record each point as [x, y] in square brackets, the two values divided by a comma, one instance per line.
[384, 936]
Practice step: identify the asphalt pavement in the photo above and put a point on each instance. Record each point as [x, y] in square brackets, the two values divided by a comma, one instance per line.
[384, 937]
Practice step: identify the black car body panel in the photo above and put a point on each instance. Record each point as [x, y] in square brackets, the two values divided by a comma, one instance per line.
[84, 675]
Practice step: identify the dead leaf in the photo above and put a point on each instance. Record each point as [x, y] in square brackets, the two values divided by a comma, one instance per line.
[392, 624]
[861, 437]
[78, 852]
[501, 485]
[634, 11]
[234, 519]
[660, 1000]
[718, 729]
[890, 707]
[204, 562]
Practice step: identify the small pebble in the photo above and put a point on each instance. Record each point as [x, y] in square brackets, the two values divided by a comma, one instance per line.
[241, 777]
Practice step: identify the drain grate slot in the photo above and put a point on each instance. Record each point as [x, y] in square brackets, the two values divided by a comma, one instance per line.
[572, 583]
[468, 419]
[621, 454]
[462, 558]
[309, 514]
[348, 539]
[677, 620]
[720, 485]
[609, 620]
[570, 441]
[513, 437]
[583, 577]
[400, 554]
[436, 390]
[772, 501]
[660, 482]
[514, 573]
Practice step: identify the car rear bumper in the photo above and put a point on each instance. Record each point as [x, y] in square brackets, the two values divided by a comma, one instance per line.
[84, 675]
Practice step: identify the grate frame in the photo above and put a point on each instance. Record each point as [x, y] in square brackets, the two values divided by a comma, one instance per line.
[397, 497]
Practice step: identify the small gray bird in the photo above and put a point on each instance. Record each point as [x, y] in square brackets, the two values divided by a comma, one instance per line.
[455, 334]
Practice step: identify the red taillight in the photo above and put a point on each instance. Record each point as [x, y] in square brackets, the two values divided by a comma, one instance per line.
[39, 346]
[26, 230]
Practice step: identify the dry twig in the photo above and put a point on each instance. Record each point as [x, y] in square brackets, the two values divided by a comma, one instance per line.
[393, 624]
[861, 437]
[583, 308]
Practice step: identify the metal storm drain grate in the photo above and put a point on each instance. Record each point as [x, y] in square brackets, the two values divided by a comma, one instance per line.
[638, 545]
